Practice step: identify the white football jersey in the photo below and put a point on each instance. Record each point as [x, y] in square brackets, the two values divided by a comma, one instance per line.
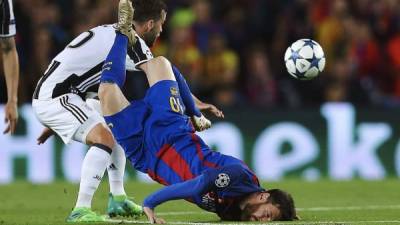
[77, 68]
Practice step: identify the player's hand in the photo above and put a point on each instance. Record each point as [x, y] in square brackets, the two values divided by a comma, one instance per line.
[46, 133]
[205, 107]
[152, 216]
[11, 117]
[200, 123]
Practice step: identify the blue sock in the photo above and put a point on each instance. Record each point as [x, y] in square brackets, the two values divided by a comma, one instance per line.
[114, 66]
[185, 93]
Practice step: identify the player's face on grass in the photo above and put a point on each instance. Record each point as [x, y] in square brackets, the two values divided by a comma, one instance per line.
[264, 212]
[258, 209]
[151, 36]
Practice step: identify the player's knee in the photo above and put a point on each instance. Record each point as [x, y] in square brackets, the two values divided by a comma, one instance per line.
[106, 138]
[162, 69]
[160, 62]
[101, 135]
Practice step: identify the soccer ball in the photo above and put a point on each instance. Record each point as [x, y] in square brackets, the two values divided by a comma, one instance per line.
[304, 59]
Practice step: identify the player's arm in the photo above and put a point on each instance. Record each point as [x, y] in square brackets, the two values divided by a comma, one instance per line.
[192, 103]
[46, 134]
[199, 121]
[209, 180]
[182, 190]
[11, 71]
[207, 107]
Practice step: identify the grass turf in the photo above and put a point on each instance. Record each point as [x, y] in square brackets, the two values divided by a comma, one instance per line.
[321, 202]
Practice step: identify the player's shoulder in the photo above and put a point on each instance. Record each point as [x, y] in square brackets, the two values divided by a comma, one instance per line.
[227, 176]
[106, 31]
[99, 35]
[140, 52]
[86, 45]
[232, 171]
[140, 40]
[106, 28]
[237, 167]
[143, 47]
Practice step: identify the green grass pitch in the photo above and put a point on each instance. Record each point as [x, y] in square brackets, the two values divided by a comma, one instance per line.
[320, 202]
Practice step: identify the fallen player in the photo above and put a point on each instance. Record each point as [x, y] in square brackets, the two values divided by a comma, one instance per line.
[159, 139]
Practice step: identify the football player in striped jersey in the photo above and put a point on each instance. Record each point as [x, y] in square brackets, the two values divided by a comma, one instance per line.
[64, 102]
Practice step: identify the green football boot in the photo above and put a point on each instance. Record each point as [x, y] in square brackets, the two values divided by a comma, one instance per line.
[84, 214]
[122, 206]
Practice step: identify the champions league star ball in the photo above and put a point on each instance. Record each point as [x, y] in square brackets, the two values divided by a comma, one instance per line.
[222, 180]
[304, 59]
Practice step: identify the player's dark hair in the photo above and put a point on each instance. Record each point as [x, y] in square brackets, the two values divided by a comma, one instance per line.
[148, 10]
[230, 213]
[284, 202]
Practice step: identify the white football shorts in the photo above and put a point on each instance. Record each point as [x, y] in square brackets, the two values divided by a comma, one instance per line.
[69, 116]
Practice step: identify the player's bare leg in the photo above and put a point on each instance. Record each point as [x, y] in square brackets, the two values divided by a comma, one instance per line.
[111, 97]
[109, 94]
[158, 69]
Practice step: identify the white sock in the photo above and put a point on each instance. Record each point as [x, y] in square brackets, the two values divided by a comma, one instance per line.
[93, 167]
[116, 171]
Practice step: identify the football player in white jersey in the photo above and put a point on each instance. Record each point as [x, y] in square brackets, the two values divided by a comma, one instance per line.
[63, 102]
[10, 63]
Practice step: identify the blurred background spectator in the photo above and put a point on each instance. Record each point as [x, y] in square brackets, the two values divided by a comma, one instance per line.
[231, 51]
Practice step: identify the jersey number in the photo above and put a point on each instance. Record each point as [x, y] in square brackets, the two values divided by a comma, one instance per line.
[83, 41]
[175, 105]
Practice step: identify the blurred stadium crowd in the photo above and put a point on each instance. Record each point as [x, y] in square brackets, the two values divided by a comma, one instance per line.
[231, 51]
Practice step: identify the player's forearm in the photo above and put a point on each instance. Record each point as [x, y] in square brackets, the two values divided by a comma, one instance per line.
[197, 101]
[182, 190]
[11, 68]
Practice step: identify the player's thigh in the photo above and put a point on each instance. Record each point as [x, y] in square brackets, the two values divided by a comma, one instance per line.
[129, 122]
[100, 133]
[68, 115]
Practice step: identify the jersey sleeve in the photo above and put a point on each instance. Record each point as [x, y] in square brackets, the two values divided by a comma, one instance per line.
[187, 189]
[7, 26]
[233, 181]
[138, 54]
[211, 180]
[224, 177]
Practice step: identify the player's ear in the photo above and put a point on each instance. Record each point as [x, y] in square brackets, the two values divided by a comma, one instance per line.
[149, 25]
[264, 196]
